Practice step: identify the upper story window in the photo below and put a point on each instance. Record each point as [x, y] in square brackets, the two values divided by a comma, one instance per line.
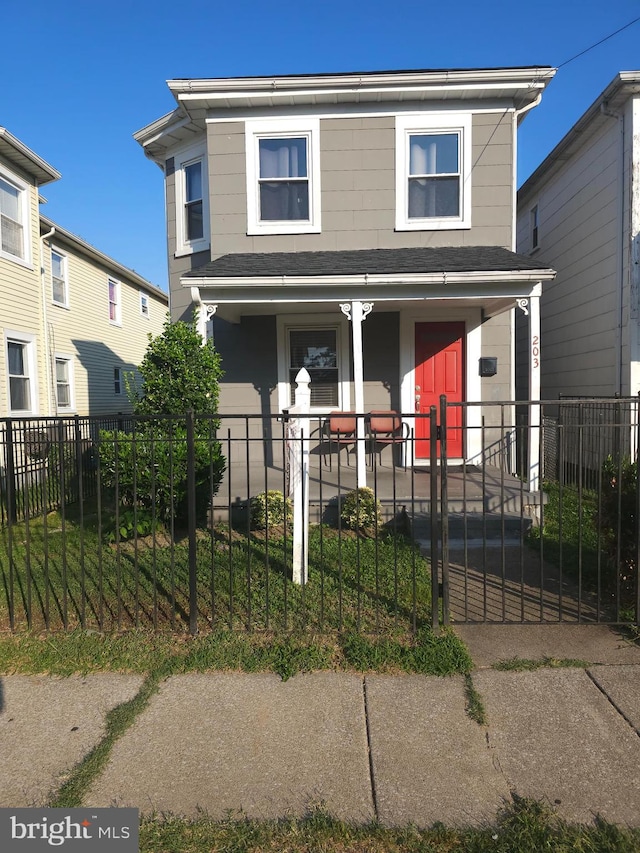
[144, 304]
[59, 283]
[115, 308]
[534, 227]
[21, 373]
[192, 211]
[283, 176]
[433, 172]
[14, 214]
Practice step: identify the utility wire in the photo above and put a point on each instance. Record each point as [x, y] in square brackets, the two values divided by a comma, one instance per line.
[602, 41]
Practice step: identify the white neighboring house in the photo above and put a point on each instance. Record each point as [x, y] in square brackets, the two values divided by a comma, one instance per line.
[580, 213]
[73, 321]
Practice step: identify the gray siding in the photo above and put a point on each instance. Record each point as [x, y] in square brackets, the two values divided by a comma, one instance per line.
[249, 360]
[381, 352]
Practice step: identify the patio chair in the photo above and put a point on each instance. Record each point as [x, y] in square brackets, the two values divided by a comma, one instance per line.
[339, 428]
[386, 429]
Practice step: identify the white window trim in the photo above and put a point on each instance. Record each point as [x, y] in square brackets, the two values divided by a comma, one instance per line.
[145, 296]
[64, 356]
[65, 269]
[118, 319]
[450, 122]
[285, 322]
[304, 126]
[30, 341]
[24, 190]
[183, 158]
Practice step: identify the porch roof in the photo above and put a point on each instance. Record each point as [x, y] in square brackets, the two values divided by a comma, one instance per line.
[369, 262]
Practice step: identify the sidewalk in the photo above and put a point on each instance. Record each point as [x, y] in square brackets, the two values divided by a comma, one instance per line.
[397, 748]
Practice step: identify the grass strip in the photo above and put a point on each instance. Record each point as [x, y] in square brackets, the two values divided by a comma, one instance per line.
[516, 664]
[118, 720]
[142, 652]
[523, 826]
[474, 706]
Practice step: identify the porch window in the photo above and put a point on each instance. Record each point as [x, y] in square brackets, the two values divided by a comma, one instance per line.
[317, 350]
[283, 176]
[433, 172]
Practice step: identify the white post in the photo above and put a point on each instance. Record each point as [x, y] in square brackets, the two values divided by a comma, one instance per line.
[298, 431]
[358, 311]
[534, 393]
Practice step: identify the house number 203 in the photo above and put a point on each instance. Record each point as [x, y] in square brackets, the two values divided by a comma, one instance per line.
[535, 351]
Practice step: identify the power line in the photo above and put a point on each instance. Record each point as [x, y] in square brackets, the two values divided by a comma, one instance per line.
[602, 41]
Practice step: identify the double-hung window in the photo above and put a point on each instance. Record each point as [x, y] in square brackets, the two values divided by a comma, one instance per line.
[64, 382]
[144, 304]
[115, 313]
[59, 284]
[21, 373]
[192, 210]
[322, 348]
[14, 243]
[433, 172]
[283, 176]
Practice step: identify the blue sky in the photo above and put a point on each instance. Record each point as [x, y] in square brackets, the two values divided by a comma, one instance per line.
[78, 78]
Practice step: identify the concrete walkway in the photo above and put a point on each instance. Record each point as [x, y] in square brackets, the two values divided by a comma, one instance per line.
[397, 748]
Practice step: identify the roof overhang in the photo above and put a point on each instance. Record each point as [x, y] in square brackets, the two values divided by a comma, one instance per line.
[611, 101]
[24, 158]
[198, 99]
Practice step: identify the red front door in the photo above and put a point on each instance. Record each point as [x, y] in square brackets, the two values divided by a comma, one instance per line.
[439, 370]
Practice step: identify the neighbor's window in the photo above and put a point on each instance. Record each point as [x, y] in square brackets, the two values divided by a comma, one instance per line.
[283, 176]
[534, 227]
[63, 382]
[117, 380]
[433, 172]
[317, 350]
[144, 304]
[114, 302]
[20, 371]
[59, 286]
[13, 214]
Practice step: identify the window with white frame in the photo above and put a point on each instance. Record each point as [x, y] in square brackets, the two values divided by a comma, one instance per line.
[433, 171]
[14, 217]
[283, 176]
[115, 312]
[144, 304]
[59, 283]
[21, 373]
[64, 382]
[192, 219]
[117, 380]
[321, 345]
[534, 227]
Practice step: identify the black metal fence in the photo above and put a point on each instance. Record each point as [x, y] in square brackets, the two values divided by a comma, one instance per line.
[186, 523]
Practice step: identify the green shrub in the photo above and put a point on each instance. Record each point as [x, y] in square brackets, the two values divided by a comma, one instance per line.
[149, 468]
[269, 509]
[360, 510]
[131, 523]
[617, 519]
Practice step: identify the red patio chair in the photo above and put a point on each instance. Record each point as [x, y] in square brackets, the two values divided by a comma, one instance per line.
[386, 429]
[339, 428]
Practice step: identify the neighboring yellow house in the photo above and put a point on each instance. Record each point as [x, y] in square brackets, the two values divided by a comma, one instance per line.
[73, 321]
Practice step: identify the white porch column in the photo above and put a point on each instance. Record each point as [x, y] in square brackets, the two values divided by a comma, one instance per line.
[205, 313]
[358, 311]
[534, 390]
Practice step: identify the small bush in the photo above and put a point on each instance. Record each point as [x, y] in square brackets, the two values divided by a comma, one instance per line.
[269, 509]
[132, 523]
[360, 510]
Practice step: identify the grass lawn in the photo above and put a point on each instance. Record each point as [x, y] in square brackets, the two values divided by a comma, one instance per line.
[61, 572]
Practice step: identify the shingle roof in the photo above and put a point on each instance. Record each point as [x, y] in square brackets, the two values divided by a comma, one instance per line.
[367, 261]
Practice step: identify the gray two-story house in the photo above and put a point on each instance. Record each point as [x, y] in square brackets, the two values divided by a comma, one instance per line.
[361, 225]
